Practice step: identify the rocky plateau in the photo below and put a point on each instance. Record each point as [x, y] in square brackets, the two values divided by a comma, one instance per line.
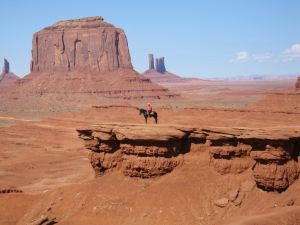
[152, 151]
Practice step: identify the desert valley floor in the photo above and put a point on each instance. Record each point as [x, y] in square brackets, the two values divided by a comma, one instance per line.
[50, 173]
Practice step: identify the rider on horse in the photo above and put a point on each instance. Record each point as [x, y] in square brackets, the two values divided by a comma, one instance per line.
[149, 110]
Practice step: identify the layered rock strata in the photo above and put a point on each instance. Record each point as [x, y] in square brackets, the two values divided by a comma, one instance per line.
[151, 151]
[87, 44]
[81, 62]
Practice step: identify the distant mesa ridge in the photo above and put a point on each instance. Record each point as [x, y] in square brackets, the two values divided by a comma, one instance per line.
[160, 75]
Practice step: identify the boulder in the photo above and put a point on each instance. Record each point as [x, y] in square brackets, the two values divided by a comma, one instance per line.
[275, 176]
[248, 185]
[233, 193]
[239, 199]
[221, 202]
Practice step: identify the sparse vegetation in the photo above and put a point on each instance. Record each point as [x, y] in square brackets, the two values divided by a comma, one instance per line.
[146, 184]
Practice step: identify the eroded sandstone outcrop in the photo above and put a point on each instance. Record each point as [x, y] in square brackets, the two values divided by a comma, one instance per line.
[160, 65]
[7, 77]
[151, 61]
[274, 167]
[150, 151]
[87, 44]
[5, 68]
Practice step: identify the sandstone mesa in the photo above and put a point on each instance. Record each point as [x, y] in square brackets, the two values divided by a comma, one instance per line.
[81, 62]
[88, 44]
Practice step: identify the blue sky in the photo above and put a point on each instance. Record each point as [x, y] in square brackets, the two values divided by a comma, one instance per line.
[204, 39]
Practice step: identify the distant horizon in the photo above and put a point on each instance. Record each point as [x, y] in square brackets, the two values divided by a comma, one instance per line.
[214, 78]
[205, 40]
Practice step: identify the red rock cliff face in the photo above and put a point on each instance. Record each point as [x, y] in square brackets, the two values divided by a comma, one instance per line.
[80, 62]
[80, 44]
[271, 154]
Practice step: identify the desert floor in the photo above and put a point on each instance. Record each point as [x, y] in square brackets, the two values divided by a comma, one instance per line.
[42, 156]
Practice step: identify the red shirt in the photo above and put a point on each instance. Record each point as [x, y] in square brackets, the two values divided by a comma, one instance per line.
[149, 108]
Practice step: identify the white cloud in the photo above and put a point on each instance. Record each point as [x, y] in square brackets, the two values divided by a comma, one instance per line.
[262, 57]
[241, 57]
[291, 54]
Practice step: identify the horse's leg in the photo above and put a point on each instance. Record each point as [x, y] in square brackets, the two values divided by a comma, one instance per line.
[146, 118]
[155, 117]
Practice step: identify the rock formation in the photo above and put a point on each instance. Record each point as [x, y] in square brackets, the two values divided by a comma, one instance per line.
[80, 44]
[298, 85]
[7, 77]
[5, 68]
[82, 61]
[271, 154]
[159, 75]
[151, 62]
[160, 65]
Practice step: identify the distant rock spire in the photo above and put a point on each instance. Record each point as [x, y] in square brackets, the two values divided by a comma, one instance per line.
[5, 68]
[151, 61]
[160, 65]
[298, 85]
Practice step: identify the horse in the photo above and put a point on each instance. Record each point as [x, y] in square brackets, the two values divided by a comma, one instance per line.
[145, 113]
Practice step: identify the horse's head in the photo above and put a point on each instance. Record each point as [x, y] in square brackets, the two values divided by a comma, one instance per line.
[139, 111]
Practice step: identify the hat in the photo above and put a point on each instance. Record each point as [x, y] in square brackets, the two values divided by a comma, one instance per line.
[148, 103]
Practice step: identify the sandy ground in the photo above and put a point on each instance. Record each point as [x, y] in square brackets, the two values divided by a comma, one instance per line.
[42, 156]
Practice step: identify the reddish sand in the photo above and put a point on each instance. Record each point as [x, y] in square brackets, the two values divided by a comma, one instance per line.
[48, 162]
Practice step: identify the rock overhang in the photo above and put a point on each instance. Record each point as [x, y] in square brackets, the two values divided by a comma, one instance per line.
[154, 150]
